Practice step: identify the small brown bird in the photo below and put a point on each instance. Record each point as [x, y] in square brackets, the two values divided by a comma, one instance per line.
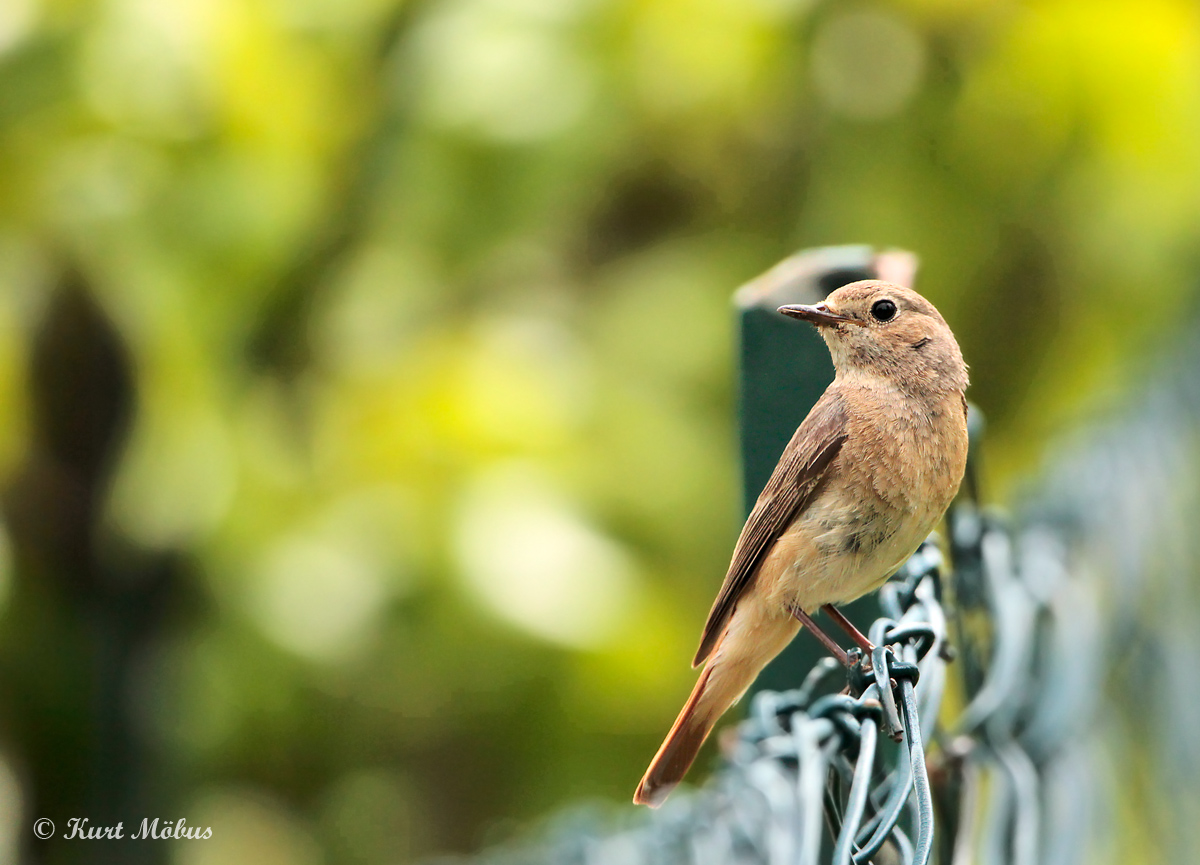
[863, 481]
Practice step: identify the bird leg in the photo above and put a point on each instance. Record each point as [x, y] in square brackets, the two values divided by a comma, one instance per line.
[848, 626]
[833, 648]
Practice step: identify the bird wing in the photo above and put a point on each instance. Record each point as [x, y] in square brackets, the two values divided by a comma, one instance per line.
[788, 492]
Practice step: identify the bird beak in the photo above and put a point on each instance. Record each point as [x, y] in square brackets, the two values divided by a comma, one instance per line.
[819, 314]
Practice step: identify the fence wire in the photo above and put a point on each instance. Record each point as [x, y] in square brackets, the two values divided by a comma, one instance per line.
[957, 742]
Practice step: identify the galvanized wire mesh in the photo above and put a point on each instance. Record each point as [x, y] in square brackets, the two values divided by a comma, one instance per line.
[1119, 503]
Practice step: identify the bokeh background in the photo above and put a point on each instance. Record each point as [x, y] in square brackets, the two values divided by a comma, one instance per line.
[367, 439]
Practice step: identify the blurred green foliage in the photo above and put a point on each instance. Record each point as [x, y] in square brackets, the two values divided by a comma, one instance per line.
[424, 308]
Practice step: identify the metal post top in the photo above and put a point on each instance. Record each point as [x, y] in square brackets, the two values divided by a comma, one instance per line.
[810, 275]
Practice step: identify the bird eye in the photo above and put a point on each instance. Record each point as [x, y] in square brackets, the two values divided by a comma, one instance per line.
[883, 310]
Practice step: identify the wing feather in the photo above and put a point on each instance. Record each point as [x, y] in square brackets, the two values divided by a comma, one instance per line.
[789, 491]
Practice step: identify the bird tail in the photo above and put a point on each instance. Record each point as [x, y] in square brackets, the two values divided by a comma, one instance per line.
[680, 747]
[733, 666]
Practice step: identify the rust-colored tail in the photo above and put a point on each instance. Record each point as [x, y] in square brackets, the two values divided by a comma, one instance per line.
[755, 635]
[680, 747]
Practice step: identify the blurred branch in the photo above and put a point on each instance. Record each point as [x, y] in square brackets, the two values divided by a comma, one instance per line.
[82, 611]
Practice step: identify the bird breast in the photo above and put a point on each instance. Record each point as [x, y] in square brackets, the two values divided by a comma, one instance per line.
[884, 494]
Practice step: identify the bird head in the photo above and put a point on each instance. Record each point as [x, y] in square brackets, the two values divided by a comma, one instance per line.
[875, 328]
